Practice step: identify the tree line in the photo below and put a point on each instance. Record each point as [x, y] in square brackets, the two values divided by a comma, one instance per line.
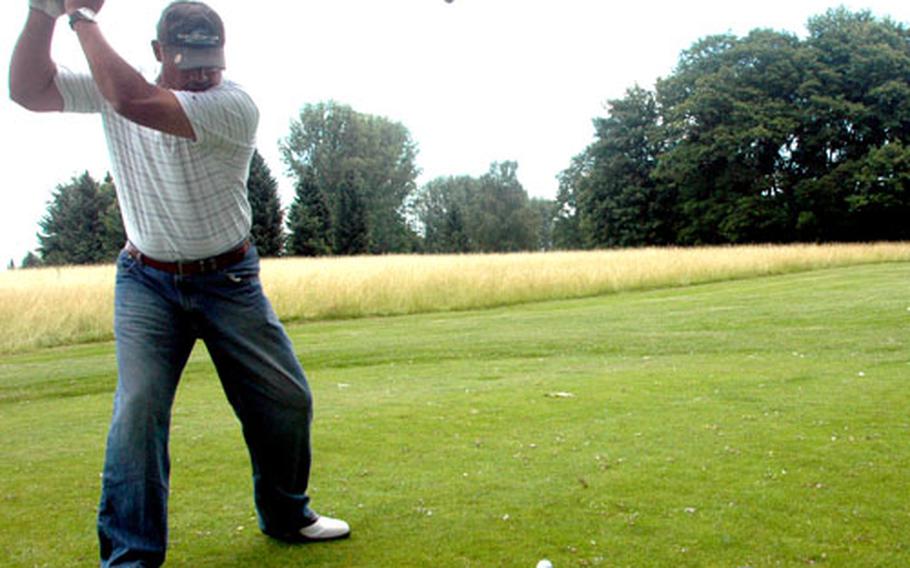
[762, 138]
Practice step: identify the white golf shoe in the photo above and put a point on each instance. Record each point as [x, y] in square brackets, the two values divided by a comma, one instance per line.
[325, 528]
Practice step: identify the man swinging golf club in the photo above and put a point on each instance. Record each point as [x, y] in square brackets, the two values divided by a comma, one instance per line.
[180, 151]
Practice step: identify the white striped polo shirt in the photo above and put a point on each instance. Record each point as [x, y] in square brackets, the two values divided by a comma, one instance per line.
[180, 199]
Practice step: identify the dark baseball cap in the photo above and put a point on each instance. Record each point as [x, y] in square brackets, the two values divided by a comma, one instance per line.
[192, 35]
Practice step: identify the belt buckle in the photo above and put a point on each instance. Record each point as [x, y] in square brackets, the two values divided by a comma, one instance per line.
[201, 266]
[205, 265]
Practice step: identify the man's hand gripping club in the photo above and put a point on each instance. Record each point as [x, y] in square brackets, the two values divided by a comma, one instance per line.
[53, 8]
[70, 6]
[56, 8]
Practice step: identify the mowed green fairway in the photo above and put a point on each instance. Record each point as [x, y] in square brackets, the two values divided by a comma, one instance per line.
[761, 422]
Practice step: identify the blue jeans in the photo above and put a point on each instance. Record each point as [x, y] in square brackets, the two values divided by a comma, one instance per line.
[157, 319]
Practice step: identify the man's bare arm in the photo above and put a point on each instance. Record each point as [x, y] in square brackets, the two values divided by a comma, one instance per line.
[31, 70]
[125, 88]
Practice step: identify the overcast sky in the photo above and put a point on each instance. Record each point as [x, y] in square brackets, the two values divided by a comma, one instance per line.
[474, 81]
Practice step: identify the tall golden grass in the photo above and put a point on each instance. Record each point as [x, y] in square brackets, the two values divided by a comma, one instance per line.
[51, 306]
[47, 307]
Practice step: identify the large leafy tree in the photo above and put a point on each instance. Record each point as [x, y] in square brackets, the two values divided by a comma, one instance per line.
[268, 218]
[616, 197]
[870, 195]
[82, 224]
[491, 213]
[441, 208]
[502, 220]
[335, 150]
[730, 113]
[567, 223]
[857, 105]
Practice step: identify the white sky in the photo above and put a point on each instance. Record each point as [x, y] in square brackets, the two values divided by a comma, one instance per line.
[474, 81]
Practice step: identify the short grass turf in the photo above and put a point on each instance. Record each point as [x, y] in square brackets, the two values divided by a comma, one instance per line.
[754, 423]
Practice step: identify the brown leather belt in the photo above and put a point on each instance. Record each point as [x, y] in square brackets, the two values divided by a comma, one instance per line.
[190, 267]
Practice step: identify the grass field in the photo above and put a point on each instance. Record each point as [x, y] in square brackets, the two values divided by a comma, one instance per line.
[756, 422]
[61, 306]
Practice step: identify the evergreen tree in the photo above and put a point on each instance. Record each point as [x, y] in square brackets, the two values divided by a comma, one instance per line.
[74, 230]
[31, 260]
[309, 222]
[113, 233]
[352, 232]
[268, 219]
[454, 231]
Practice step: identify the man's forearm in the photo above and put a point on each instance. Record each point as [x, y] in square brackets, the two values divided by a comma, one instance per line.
[32, 71]
[118, 81]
